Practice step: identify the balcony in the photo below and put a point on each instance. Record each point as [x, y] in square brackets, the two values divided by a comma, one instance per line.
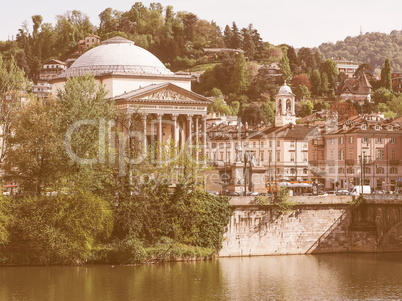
[393, 162]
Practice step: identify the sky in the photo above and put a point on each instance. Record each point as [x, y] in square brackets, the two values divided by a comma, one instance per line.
[299, 23]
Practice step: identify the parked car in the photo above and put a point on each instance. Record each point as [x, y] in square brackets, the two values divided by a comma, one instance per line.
[249, 193]
[342, 192]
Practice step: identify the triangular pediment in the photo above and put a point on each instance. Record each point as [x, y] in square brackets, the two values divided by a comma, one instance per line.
[163, 93]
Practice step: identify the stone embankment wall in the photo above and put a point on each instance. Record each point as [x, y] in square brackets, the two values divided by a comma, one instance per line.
[322, 224]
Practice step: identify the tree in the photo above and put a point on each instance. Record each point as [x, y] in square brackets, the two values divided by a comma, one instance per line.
[386, 78]
[285, 68]
[239, 78]
[268, 113]
[33, 156]
[306, 108]
[315, 80]
[302, 92]
[219, 106]
[383, 95]
[12, 84]
[329, 67]
[293, 60]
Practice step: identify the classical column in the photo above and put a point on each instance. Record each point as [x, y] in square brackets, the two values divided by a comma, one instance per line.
[189, 125]
[174, 130]
[196, 138]
[196, 130]
[204, 134]
[159, 134]
[144, 132]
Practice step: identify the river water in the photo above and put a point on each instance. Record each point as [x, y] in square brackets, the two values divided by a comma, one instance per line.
[294, 277]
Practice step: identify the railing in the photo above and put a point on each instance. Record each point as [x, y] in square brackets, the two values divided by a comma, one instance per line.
[385, 197]
[393, 162]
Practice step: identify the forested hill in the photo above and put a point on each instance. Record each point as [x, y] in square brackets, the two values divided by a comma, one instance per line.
[371, 48]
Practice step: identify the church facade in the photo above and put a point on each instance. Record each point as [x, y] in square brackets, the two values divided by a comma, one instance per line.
[140, 84]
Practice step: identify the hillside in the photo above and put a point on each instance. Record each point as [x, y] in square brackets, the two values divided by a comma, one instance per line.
[371, 48]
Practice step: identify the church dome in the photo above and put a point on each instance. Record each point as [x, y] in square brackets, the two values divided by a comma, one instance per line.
[285, 90]
[117, 55]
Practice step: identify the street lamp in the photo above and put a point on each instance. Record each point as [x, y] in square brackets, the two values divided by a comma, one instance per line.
[364, 159]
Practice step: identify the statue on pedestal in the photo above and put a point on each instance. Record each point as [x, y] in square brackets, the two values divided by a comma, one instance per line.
[239, 152]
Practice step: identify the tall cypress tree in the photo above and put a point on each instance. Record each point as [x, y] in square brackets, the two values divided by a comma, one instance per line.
[386, 78]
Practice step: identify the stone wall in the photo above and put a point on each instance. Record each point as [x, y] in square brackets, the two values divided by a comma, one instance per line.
[315, 225]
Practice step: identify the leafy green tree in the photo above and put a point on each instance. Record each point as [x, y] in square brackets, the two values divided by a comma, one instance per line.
[59, 229]
[302, 92]
[293, 60]
[268, 112]
[219, 106]
[239, 78]
[395, 105]
[234, 108]
[386, 78]
[306, 108]
[285, 68]
[33, 156]
[329, 67]
[12, 83]
[315, 80]
[382, 95]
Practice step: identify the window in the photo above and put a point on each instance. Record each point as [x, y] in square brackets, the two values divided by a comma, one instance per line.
[377, 127]
[340, 140]
[350, 153]
[229, 157]
[270, 143]
[270, 156]
[331, 170]
[221, 145]
[367, 170]
[278, 143]
[228, 144]
[292, 171]
[292, 157]
[331, 141]
[393, 140]
[331, 154]
[278, 155]
[341, 154]
[262, 143]
[350, 170]
[262, 156]
[365, 139]
[305, 171]
[213, 145]
[350, 140]
[379, 140]
[379, 170]
[393, 170]
[221, 155]
[380, 154]
[341, 170]
[292, 143]
[254, 144]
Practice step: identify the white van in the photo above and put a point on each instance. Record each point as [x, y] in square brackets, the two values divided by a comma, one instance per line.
[357, 190]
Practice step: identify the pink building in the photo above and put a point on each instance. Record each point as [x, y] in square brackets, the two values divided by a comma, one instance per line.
[364, 148]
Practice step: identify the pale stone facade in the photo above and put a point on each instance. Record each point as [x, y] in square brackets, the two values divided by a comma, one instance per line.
[139, 83]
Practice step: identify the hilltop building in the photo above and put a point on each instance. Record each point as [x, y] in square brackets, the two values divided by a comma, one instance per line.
[355, 89]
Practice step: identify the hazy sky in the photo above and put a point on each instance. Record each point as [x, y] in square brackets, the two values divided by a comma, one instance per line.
[295, 22]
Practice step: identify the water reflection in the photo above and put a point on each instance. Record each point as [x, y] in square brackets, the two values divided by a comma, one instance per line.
[305, 277]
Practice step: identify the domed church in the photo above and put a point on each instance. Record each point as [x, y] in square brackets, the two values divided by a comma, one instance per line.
[140, 83]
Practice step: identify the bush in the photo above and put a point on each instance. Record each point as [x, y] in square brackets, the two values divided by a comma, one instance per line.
[57, 230]
[283, 203]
